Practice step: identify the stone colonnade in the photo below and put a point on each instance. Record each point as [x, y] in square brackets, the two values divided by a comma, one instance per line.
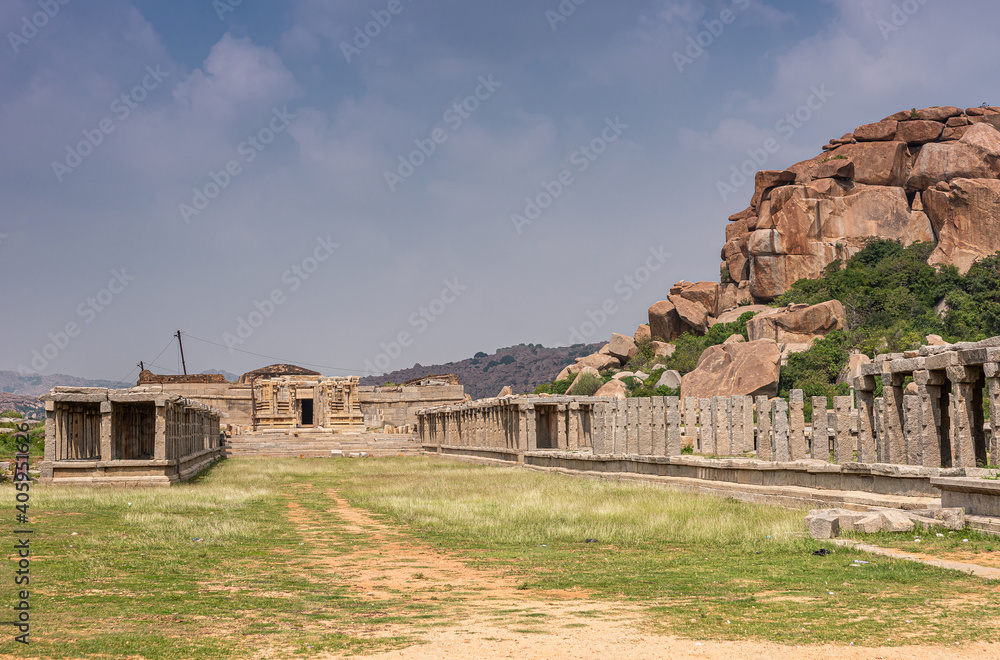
[942, 424]
[512, 423]
[770, 429]
[92, 428]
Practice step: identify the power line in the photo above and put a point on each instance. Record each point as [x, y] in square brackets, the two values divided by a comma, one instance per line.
[125, 379]
[271, 357]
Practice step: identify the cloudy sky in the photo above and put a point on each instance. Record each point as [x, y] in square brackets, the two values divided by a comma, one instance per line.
[369, 184]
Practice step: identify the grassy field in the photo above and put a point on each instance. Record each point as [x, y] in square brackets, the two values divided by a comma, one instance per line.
[276, 558]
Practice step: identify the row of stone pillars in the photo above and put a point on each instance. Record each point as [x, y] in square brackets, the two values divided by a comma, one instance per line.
[942, 425]
[516, 424]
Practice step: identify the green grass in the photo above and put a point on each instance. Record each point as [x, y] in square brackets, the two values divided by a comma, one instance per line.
[271, 571]
[938, 542]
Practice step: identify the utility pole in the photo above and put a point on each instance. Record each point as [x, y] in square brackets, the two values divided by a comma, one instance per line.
[179, 343]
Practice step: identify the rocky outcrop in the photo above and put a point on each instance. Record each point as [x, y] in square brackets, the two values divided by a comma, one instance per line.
[642, 334]
[748, 369]
[797, 324]
[920, 175]
[614, 388]
[621, 347]
[599, 362]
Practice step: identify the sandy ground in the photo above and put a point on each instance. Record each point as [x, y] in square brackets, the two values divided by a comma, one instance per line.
[489, 617]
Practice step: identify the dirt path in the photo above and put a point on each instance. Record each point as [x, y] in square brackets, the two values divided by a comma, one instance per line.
[487, 616]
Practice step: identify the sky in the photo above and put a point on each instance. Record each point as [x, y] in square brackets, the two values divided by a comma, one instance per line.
[362, 185]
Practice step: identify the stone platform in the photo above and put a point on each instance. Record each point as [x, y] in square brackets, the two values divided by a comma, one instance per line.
[318, 444]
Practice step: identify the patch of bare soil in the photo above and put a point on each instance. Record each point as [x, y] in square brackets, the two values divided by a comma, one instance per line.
[489, 617]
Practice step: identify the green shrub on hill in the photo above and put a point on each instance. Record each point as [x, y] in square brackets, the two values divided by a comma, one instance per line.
[891, 295]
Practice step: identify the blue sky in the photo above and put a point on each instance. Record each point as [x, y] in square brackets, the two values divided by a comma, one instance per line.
[238, 192]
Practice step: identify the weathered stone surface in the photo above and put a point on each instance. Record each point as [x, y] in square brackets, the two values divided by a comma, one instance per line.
[612, 388]
[621, 347]
[642, 333]
[797, 426]
[819, 446]
[569, 371]
[875, 163]
[965, 220]
[692, 314]
[585, 370]
[507, 391]
[779, 425]
[599, 362]
[734, 339]
[875, 132]
[797, 323]
[766, 179]
[853, 368]
[975, 156]
[802, 230]
[824, 527]
[670, 378]
[835, 168]
[939, 113]
[664, 322]
[662, 348]
[918, 131]
[733, 315]
[746, 369]
[704, 293]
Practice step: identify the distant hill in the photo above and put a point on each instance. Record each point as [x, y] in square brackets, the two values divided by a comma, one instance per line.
[231, 377]
[26, 405]
[522, 367]
[35, 385]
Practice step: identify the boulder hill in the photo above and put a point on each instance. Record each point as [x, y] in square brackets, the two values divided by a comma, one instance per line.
[918, 175]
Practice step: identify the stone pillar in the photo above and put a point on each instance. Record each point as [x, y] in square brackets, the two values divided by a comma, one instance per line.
[50, 431]
[764, 451]
[107, 448]
[659, 405]
[531, 417]
[720, 425]
[706, 421]
[690, 422]
[892, 397]
[963, 434]
[819, 446]
[632, 427]
[160, 434]
[749, 442]
[843, 439]
[574, 425]
[522, 429]
[597, 427]
[673, 426]
[645, 430]
[780, 425]
[620, 446]
[992, 372]
[736, 425]
[866, 425]
[797, 426]
[912, 419]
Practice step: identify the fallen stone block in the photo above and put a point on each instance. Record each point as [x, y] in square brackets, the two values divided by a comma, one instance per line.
[824, 527]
